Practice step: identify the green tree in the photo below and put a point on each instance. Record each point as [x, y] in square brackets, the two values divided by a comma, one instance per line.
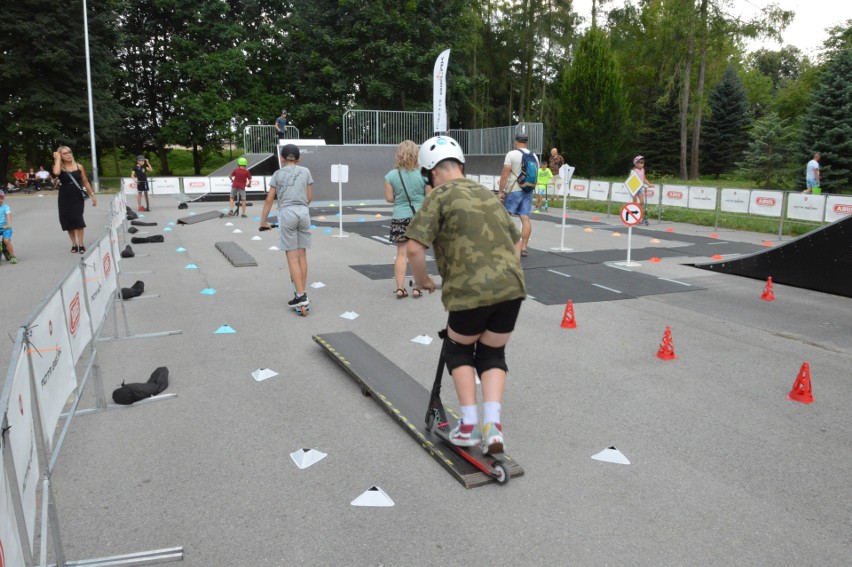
[726, 129]
[827, 125]
[593, 109]
[43, 93]
[767, 159]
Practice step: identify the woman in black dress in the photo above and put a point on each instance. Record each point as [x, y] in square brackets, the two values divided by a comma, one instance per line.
[72, 182]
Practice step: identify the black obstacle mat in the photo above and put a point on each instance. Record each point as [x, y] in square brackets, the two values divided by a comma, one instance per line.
[708, 249]
[192, 219]
[385, 271]
[544, 259]
[238, 257]
[596, 282]
[615, 255]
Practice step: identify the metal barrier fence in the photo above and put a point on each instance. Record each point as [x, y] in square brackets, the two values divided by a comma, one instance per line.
[389, 127]
[57, 339]
[262, 139]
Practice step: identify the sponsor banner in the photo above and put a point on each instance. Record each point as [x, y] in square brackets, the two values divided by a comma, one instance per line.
[118, 213]
[98, 273]
[487, 181]
[598, 191]
[472, 177]
[109, 262]
[220, 185]
[11, 552]
[735, 200]
[128, 186]
[837, 207]
[578, 188]
[765, 203]
[652, 195]
[256, 184]
[267, 181]
[79, 328]
[22, 441]
[52, 362]
[620, 193]
[675, 195]
[164, 185]
[702, 198]
[439, 92]
[802, 206]
[196, 185]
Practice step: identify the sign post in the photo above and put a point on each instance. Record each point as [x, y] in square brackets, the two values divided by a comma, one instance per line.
[340, 174]
[631, 214]
[566, 172]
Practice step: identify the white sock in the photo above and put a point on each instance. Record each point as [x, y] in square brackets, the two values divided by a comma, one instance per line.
[491, 412]
[470, 415]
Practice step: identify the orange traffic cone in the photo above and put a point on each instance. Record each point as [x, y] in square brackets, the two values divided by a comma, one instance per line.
[666, 351]
[568, 321]
[801, 391]
[768, 294]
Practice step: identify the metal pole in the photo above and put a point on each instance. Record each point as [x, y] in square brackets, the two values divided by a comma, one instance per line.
[95, 178]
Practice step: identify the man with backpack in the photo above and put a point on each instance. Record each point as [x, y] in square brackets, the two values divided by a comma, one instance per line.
[517, 184]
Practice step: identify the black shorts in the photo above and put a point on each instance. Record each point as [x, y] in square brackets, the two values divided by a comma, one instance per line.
[141, 186]
[497, 318]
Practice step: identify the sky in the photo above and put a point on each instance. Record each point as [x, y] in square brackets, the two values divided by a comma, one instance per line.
[807, 32]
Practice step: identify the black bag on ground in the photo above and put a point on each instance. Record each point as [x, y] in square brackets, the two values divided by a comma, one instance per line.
[132, 230]
[131, 214]
[183, 206]
[135, 290]
[128, 252]
[144, 239]
[142, 223]
[129, 393]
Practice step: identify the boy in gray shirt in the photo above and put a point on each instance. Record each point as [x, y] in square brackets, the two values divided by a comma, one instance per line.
[293, 186]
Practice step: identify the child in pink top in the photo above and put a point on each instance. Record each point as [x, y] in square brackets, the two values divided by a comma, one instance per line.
[639, 197]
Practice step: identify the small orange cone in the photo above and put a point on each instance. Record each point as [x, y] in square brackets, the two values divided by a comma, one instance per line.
[666, 351]
[568, 321]
[714, 235]
[801, 391]
[767, 243]
[716, 257]
[768, 294]
[655, 259]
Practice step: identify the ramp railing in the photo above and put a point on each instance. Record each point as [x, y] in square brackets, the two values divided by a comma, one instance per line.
[263, 138]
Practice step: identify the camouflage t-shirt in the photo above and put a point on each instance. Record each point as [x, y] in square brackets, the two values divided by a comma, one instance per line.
[473, 240]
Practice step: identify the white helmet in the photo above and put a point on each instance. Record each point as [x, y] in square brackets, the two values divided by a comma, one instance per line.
[437, 149]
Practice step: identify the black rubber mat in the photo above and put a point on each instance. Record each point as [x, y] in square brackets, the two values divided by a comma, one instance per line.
[238, 257]
[405, 400]
[192, 219]
[385, 271]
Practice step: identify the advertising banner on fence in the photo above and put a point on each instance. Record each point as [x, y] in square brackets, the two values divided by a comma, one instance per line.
[22, 441]
[598, 191]
[765, 203]
[256, 184]
[702, 198]
[487, 181]
[652, 195]
[164, 185]
[100, 280]
[76, 313]
[10, 543]
[196, 185]
[805, 207]
[734, 200]
[220, 184]
[52, 363]
[620, 193]
[578, 188]
[837, 207]
[128, 185]
[472, 177]
[675, 195]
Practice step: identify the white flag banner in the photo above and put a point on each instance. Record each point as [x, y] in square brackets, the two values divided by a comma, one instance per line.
[439, 90]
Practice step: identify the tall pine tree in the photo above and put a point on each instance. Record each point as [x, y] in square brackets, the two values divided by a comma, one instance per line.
[726, 129]
[827, 125]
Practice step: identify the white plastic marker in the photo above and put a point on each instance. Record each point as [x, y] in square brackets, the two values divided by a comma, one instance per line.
[422, 339]
[307, 457]
[340, 174]
[374, 497]
[566, 172]
[611, 455]
[262, 374]
[349, 315]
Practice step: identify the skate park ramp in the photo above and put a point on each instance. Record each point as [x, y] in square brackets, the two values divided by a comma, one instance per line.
[820, 260]
[258, 164]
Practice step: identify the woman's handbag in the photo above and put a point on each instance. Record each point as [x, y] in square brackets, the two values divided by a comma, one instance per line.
[83, 192]
[407, 196]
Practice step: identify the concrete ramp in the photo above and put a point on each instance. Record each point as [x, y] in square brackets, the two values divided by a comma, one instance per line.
[258, 164]
[820, 260]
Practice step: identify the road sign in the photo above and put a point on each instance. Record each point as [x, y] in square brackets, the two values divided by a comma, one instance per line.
[339, 173]
[631, 214]
[634, 183]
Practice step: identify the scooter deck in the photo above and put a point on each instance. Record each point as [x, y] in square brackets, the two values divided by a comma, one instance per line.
[406, 401]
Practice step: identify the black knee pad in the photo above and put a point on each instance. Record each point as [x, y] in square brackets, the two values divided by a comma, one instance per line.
[456, 354]
[488, 357]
